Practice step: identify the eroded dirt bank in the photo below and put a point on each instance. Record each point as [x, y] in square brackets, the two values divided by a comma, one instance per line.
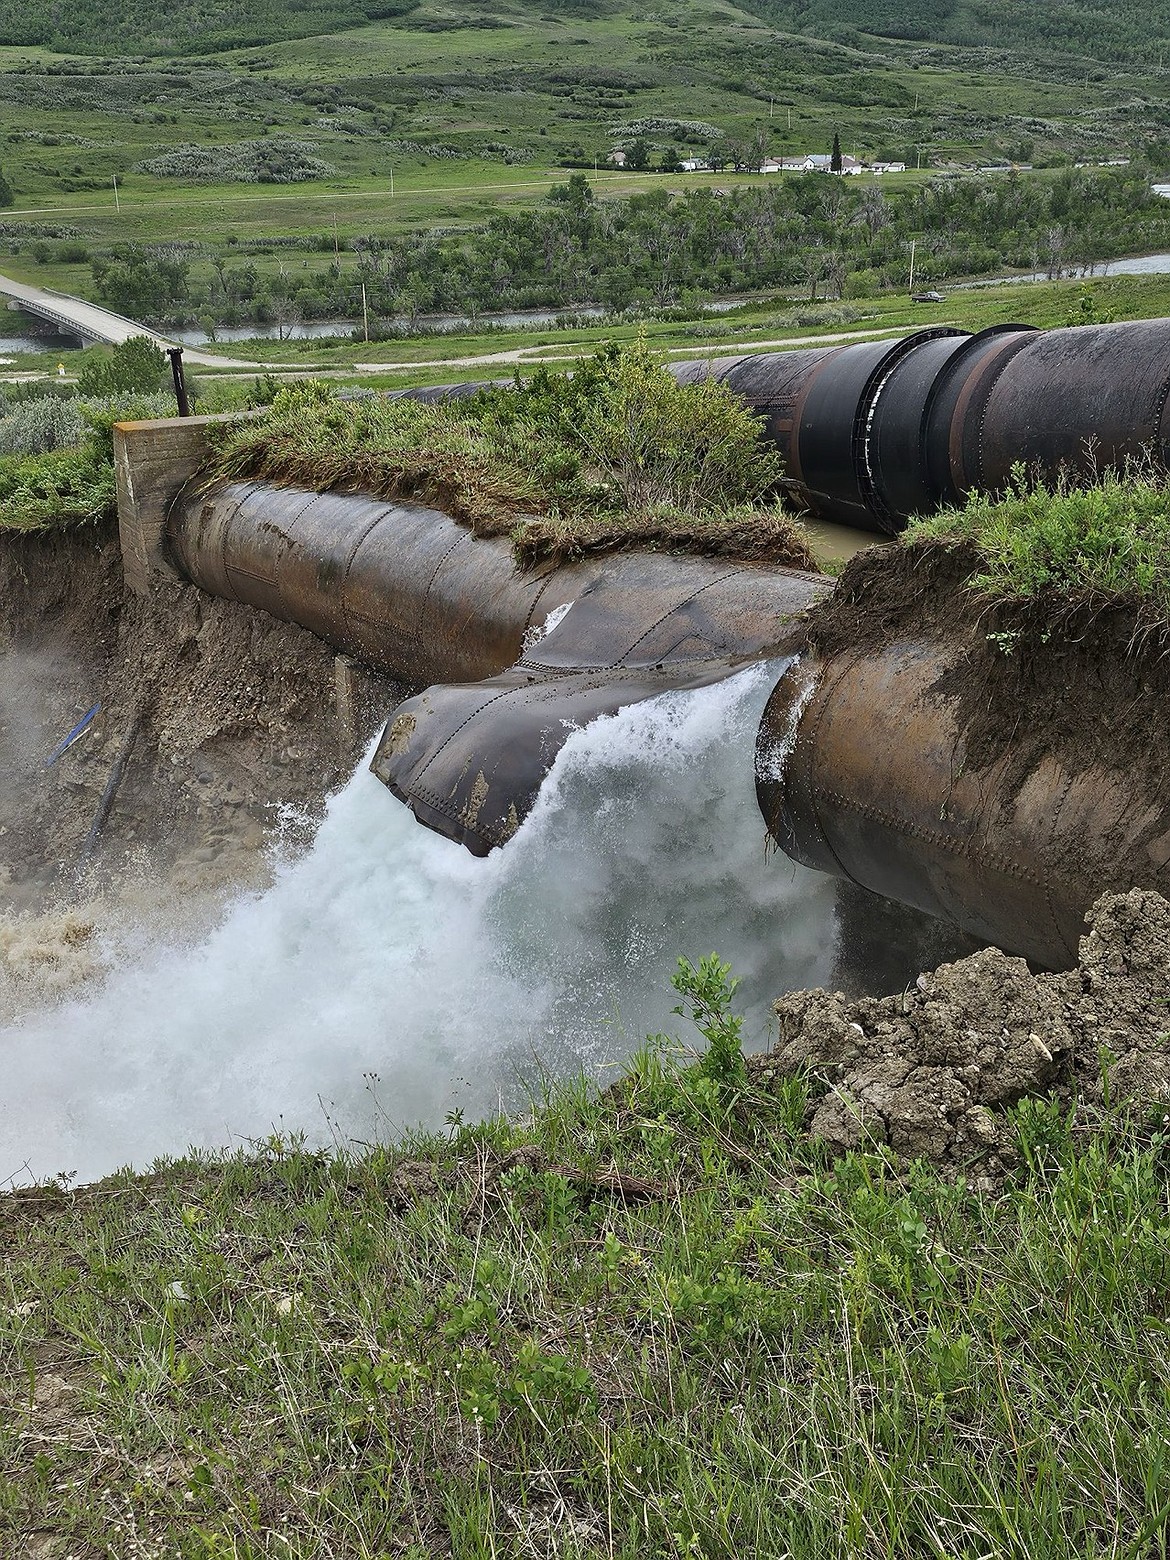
[240, 736]
[1033, 678]
[930, 1071]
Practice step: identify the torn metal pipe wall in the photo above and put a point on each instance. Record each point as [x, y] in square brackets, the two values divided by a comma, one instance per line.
[872, 434]
[408, 590]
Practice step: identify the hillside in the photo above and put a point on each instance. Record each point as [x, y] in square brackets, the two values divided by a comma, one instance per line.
[119, 27]
[1100, 29]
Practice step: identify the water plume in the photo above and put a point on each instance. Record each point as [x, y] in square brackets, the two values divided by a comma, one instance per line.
[388, 977]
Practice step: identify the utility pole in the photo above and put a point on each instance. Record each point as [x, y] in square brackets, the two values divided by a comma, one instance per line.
[392, 184]
[117, 202]
[771, 107]
[790, 116]
[913, 241]
[365, 315]
[336, 254]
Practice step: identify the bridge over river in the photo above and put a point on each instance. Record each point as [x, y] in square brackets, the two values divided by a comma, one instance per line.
[93, 323]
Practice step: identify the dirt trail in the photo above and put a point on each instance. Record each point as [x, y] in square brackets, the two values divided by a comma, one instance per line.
[238, 746]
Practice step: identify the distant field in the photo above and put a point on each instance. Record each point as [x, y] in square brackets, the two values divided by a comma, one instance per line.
[502, 353]
[441, 119]
[467, 114]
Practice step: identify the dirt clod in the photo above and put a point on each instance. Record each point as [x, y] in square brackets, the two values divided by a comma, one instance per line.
[930, 1071]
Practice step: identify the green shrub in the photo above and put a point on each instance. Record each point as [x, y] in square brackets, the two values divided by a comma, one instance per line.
[1109, 539]
[279, 160]
[135, 365]
[71, 482]
[56, 490]
[618, 454]
[35, 427]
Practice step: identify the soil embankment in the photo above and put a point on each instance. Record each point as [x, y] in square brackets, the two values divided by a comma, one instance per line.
[1042, 678]
[239, 739]
[1083, 688]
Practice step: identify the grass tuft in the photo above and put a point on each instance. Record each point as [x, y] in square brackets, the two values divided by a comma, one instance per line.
[1073, 545]
[654, 1323]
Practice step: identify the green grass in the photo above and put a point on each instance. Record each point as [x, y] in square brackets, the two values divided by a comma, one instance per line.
[1108, 541]
[507, 104]
[64, 487]
[652, 1324]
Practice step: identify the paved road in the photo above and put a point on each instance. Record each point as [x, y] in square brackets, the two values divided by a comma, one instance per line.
[98, 324]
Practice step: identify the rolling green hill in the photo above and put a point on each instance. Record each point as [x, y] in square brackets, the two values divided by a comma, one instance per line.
[1102, 29]
[123, 27]
[280, 171]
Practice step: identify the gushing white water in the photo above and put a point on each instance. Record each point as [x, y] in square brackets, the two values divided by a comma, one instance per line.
[388, 951]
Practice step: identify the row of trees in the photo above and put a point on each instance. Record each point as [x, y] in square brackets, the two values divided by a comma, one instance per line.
[658, 249]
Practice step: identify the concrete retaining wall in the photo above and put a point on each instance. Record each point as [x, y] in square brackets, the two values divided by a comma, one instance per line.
[152, 461]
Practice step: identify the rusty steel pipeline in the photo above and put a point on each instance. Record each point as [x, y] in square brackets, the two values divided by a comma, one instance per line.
[404, 588]
[862, 771]
[410, 591]
[880, 431]
[877, 786]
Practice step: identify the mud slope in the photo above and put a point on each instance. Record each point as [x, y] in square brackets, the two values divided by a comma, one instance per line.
[239, 738]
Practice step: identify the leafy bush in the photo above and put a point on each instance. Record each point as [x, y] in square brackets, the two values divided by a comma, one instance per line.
[139, 282]
[657, 443]
[56, 490]
[35, 427]
[821, 314]
[135, 365]
[616, 455]
[279, 160]
[71, 482]
[1108, 539]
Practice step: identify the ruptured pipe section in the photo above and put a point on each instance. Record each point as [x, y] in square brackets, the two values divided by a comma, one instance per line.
[517, 660]
[862, 771]
[875, 785]
[877, 432]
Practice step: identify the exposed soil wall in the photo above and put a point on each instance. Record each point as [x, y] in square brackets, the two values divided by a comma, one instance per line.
[240, 740]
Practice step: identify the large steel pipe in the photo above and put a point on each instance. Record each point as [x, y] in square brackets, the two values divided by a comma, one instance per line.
[470, 758]
[877, 432]
[409, 590]
[404, 588]
[863, 772]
